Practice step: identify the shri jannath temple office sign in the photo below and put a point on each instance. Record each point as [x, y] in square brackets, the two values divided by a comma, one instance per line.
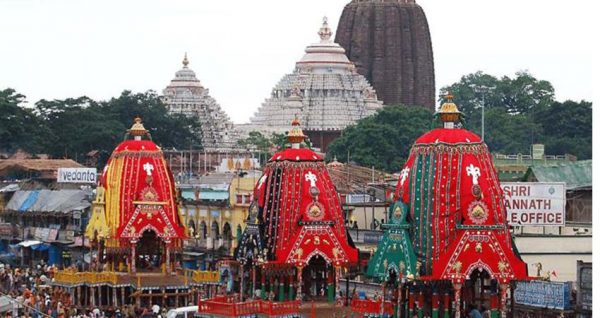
[535, 203]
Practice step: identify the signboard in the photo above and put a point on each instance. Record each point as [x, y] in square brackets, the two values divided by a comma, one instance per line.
[52, 235]
[7, 229]
[372, 237]
[77, 175]
[584, 285]
[552, 295]
[535, 203]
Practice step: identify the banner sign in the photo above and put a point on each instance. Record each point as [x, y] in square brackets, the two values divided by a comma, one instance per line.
[552, 295]
[77, 175]
[535, 203]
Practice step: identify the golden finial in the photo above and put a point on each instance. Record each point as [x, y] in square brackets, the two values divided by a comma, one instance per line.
[185, 60]
[296, 135]
[137, 129]
[449, 112]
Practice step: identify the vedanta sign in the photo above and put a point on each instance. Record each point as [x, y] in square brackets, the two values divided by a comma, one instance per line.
[534, 203]
[77, 175]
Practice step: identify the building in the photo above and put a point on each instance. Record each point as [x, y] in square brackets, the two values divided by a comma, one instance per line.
[324, 92]
[39, 218]
[390, 44]
[556, 249]
[513, 167]
[185, 95]
[44, 225]
[209, 219]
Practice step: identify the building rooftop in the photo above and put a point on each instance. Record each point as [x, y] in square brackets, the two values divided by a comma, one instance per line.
[577, 175]
[46, 167]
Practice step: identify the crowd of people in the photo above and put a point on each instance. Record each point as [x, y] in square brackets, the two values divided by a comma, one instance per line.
[29, 292]
[31, 295]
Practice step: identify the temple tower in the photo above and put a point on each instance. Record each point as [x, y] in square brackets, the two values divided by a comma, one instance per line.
[324, 92]
[185, 95]
[389, 42]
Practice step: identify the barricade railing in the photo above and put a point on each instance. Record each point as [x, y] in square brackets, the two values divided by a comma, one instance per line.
[228, 306]
[367, 306]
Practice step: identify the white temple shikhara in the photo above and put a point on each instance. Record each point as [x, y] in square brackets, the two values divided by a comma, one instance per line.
[185, 95]
[325, 92]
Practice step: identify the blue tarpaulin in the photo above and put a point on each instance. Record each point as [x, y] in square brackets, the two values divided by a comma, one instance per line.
[54, 255]
[190, 265]
[40, 247]
[29, 201]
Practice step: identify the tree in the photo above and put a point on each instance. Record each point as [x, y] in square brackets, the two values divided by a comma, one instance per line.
[567, 128]
[19, 126]
[78, 125]
[72, 127]
[521, 111]
[384, 139]
[262, 145]
[519, 95]
[510, 134]
[168, 131]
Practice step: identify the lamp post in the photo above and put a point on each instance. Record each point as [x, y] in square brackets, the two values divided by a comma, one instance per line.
[482, 90]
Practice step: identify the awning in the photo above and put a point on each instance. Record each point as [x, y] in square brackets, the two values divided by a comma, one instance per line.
[40, 247]
[29, 243]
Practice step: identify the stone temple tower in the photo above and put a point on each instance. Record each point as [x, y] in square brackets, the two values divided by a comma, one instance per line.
[389, 42]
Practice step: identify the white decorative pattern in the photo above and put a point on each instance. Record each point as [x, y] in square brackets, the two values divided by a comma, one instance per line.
[474, 172]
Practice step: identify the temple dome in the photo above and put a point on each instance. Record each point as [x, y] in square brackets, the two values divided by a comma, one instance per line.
[325, 56]
[324, 91]
[185, 77]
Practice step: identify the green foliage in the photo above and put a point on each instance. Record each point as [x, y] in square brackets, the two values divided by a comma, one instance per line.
[567, 128]
[384, 139]
[73, 127]
[19, 126]
[508, 134]
[167, 131]
[518, 95]
[521, 111]
[262, 145]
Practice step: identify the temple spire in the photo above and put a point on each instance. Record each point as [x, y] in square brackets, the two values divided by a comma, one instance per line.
[185, 61]
[325, 32]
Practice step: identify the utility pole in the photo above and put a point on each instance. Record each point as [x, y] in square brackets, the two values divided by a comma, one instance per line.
[482, 90]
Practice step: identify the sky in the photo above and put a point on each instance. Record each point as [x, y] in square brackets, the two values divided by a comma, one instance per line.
[241, 49]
